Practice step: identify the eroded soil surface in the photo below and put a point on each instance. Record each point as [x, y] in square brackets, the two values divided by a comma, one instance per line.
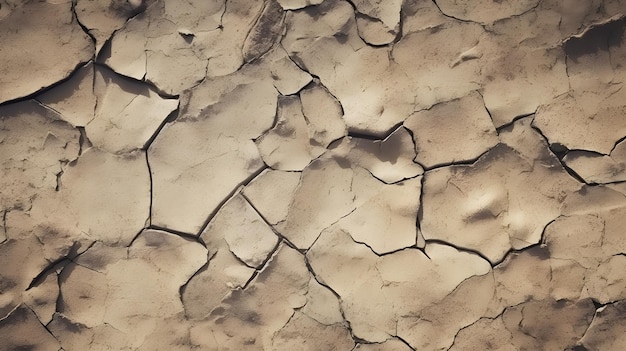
[312, 175]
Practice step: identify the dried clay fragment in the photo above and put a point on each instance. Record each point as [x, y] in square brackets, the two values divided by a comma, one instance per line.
[589, 117]
[265, 31]
[325, 41]
[21, 330]
[101, 18]
[16, 278]
[128, 114]
[378, 23]
[435, 327]
[253, 316]
[338, 189]
[551, 324]
[105, 196]
[337, 258]
[176, 45]
[74, 99]
[597, 168]
[526, 67]
[36, 145]
[271, 192]
[199, 160]
[239, 241]
[246, 233]
[606, 331]
[286, 147]
[132, 290]
[307, 334]
[45, 45]
[389, 160]
[454, 131]
[493, 205]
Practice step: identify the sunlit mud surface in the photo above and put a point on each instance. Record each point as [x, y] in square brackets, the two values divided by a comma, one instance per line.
[312, 175]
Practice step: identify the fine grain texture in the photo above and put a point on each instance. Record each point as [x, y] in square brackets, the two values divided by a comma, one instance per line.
[349, 175]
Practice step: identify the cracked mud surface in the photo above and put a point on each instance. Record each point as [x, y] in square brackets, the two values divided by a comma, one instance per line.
[312, 175]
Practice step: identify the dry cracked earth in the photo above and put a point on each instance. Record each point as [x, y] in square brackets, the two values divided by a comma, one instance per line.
[313, 175]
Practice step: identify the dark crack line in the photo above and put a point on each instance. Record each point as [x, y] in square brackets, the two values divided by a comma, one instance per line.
[468, 162]
[394, 182]
[221, 25]
[482, 97]
[420, 215]
[83, 141]
[535, 7]
[276, 232]
[584, 30]
[411, 247]
[321, 282]
[619, 141]
[106, 46]
[293, 313]
[146, 147]
[367, 17]
[499, 315]
[509, 125]
[49, 108]
[83, 27]
[232, 193]
[578, 177]
[105, 49]
[567, 169]
[274, 122]
[455, 18]
[380, 137]
[203, 268]
[566, 62]
[59, 301]
[93, 91]
[578, 342]
[301, 66]
[40, 322]
[184, 235]
[370, 137]
[33, 95]
[4, 225]
[263, 265]
[51, 267]
[136, 236]
[337, 296]
[304, 251]
[402, 340]
[400, 33]
[60, 262]
[316, 79]
[414, 148]
[151, 189]
[541, 244]
[162, 94]
[458, 248]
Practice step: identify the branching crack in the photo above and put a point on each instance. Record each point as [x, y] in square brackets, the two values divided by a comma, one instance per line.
[84, 28]
[263, 265]
[232, 193]
[204, 267]
[459, 248]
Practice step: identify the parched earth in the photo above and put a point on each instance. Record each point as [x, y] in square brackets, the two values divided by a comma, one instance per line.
[312, 175]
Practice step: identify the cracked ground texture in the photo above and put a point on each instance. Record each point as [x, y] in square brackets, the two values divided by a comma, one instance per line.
[312, 175]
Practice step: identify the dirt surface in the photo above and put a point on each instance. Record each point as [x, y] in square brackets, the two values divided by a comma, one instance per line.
[312, 175]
